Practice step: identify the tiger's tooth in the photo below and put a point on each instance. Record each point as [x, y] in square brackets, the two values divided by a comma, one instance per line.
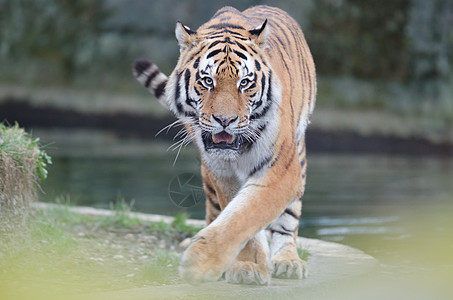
[231, 139]
[214, 139]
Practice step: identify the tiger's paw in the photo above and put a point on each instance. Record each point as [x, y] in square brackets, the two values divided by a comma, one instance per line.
[202, 261]
[294, 268]
[247, 272]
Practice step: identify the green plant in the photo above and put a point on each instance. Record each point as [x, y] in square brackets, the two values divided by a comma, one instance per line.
[179, 223]
[23, 163]
[303, 254]
[121, 217]
[20, 146]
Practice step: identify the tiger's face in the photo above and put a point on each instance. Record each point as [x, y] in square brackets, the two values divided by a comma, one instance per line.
[222, 89]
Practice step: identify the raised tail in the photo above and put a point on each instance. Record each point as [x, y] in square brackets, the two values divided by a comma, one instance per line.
[152, 78]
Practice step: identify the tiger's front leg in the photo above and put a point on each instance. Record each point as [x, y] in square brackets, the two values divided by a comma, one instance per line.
[285, 259]
[260, 201]
[252, 263]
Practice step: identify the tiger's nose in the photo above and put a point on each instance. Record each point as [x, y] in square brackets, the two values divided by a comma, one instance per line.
[224, 121]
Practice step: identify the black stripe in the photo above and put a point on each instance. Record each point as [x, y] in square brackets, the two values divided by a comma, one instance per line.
[286, 48]
[225, 25]
[241, 46]
[141, 65]
[160, 89]
[189, 100]
[263, 86]
[283, 33]
[280, 232]
[237, 35]
[283, 44]
[269, 90]
[215, 52]
[257, 65]
[227, 40]
[151, 77]
[195, 64]
[286, 229]
[178, 93]
[255, 184]
[240, 54]
[292, 155]
[291, 213]
[214, 44]
[179, 108]
[269, 100]
[302, 162]
[211, 189]
[260, 166]
[277, 157]
[187, 82]
[221, 64]
[216, 205]
[223, 19]
[190, 114]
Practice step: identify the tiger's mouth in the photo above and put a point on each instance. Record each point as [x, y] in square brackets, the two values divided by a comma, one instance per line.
[221, 140]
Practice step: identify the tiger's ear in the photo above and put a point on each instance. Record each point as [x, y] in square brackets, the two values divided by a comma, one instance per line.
[184, 35]
[259, 34]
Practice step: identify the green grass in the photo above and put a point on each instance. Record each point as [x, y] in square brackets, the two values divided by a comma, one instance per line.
[64, 252]
[23, 164]
[179, 224]
[121, 218]
[303, 254]
[21, 147]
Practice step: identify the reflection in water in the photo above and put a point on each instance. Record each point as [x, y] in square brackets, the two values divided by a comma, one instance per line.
[398, 209]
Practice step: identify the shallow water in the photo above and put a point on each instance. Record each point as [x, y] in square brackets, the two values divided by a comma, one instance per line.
[398, 209]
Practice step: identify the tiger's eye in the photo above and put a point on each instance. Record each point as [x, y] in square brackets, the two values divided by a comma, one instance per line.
[208, 81]
[244, 82]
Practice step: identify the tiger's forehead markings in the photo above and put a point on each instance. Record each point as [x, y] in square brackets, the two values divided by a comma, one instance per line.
[222, 32]
[228, 55]
[226, 25]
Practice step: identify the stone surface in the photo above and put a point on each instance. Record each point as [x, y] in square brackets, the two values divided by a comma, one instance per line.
[329, 265]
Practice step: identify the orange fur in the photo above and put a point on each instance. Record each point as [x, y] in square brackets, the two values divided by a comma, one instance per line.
[253, 74]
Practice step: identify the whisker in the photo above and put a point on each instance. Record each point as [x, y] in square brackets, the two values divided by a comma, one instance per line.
[183, 143]
[179, 151]
[180, 133]
[175, 145]
[168, 127]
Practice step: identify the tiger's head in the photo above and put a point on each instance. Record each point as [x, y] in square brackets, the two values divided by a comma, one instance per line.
[222, 86]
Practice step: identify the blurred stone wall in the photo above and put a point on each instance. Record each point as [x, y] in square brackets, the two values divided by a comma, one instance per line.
[148, 26]
[407, 42]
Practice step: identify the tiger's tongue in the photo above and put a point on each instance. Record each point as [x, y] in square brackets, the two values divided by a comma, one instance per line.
[222, 137]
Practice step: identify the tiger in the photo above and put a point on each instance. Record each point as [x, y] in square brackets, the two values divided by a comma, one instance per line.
[244, 87]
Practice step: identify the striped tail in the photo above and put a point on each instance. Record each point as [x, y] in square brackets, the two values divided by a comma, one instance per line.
[152, 78]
